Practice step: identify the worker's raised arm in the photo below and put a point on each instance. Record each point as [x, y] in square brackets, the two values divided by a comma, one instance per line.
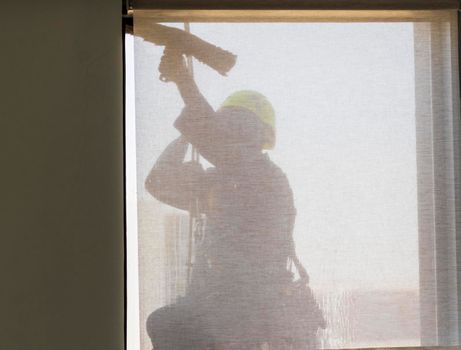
[172, 181]
[173, 68]
[197, 122]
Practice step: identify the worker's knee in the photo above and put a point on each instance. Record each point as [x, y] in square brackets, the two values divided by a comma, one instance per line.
[157, 320]
[151, 323]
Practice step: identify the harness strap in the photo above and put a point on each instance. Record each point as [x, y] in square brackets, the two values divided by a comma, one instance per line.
[304, 276]
[299, 267]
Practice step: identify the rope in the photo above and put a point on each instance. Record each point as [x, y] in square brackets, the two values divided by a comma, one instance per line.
[194, 208]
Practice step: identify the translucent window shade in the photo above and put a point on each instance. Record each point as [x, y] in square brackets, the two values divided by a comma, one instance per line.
[365, 158]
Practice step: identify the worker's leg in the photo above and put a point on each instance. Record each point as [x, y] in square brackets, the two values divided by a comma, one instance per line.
[177, 327]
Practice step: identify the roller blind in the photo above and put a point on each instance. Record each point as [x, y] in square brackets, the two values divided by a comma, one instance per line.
[298, 4]
[294, 176]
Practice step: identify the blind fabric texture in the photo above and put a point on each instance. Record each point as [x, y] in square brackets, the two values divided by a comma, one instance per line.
[297, 179]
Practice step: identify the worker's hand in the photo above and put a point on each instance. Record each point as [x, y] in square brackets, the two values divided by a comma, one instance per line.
[173, 67]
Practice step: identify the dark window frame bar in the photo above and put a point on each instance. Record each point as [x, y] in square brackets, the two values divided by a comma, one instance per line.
[296, 4]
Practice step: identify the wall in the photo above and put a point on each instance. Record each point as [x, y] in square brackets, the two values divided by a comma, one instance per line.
[61, 245]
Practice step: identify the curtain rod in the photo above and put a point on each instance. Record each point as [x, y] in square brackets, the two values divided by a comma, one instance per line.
[293, 4]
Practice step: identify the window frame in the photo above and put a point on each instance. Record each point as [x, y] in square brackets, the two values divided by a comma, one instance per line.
[441, 246]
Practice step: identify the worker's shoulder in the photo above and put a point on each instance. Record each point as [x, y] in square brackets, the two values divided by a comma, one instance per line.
[274, 172]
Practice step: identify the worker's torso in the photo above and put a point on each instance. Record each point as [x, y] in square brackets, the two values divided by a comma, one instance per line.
[247, 234]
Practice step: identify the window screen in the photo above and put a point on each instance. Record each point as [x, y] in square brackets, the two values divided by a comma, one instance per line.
[292, 179]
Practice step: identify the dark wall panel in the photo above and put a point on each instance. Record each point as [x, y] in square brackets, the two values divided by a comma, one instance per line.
[61, 255]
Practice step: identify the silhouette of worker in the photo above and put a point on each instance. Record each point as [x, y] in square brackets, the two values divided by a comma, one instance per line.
[237, 297]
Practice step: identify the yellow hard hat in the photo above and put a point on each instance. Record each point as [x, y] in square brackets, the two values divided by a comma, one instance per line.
[259, 105]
